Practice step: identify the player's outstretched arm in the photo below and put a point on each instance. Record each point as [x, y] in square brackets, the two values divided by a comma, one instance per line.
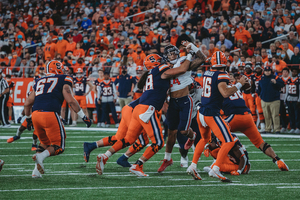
[228, 91]
[201, 56]
[170, 73]
[67, 93]
[28, 109]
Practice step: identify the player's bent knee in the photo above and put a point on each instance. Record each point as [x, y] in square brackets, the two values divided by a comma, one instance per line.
[185, 133]
[265, 147]
[57, 149]
[40, 149]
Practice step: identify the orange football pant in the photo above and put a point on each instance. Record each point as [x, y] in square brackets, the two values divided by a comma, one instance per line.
[259, 108]
[152, 129]
[49, 128]
[220, 128]
[245, 124]
[249, 100]
[227, 165]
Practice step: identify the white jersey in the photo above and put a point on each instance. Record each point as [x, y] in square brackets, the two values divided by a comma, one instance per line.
[182, 80]
[196, 96]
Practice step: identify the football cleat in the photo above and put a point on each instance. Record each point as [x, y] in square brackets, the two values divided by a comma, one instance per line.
[215, 173]
[1, 164]
[137, 170]
[87, 121]
[292, 131]
[12, 139]
[193, 172]
[164, 165]
[184, 162]
[87, 148]
[39, 163]
[234, 173]
[281, 165]
[189, 143]
[206, 169]
[123, 161]
[36, 173]
[101, 160]
[34, 147]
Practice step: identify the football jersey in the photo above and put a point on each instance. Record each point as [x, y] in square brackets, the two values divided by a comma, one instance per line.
[293, 88]
[211, 98]
[48, 92]
[181, 81]
[235, 104]
[155, 89]
[107, 91]
[283, 91]
[80, 85]
[255, 78]
[134, 103]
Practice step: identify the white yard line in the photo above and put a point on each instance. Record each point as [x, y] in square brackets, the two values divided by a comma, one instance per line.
[158, 186]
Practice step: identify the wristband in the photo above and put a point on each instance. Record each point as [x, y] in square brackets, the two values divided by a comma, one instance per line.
[238, 86]
[193, 47]
[81, 114]
[27, 117]
[189, 57]
[239, 171]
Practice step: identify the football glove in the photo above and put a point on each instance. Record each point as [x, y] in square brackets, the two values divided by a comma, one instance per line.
[29, 123]
[87, 121]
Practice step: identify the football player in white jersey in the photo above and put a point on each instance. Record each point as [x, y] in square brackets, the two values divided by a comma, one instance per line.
[179, 115]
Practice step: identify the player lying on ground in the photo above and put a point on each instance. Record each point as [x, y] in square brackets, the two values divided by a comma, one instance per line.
[235, 164]
[45, 104]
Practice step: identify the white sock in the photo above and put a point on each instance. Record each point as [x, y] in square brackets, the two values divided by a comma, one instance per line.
[141, 160]
[193, 165]
[74, 122]
[19, 133]
[108, 154]
[262, 125]
[44, 154]
[126, 155]
[168, 156]
[97, 145]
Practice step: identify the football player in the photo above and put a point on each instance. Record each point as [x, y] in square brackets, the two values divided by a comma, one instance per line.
[215, 89]
[233, 164]
[179, 114]
[42, 109]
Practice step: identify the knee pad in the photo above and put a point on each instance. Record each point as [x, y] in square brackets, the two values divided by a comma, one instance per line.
[111, 141]
[156, 148]
[40, 149]
[137, 146]
[125, 144]
[265, 147]
[58, 150]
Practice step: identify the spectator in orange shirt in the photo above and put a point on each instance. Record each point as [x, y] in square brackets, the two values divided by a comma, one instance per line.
[280, 65]
[61, 45]
[78, 52]
[49, 47]
[174, 37]
[71, 45]
[199, 77]
[18, 32]
[102, 40]
[140, 56]
[212, 49]
[132, 54]
[242, 34]
[149, 35]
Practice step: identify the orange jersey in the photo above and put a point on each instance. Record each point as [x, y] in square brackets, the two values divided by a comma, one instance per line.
[50, 49]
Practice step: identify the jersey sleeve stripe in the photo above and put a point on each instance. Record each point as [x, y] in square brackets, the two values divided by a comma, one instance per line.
[163, 67]
[68, 79]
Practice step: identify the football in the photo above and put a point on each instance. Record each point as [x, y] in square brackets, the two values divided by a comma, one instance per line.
[247, 86]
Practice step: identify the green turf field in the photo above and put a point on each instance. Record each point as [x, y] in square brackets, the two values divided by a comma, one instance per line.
[67, 176]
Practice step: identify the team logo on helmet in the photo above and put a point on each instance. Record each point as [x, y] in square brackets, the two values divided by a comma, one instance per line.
[54, 67]
[152, 61]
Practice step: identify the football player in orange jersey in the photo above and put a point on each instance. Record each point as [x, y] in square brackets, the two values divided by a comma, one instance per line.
[42, 109]
[215, 89]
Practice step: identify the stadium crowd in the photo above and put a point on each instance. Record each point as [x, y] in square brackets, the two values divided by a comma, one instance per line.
[104, 43]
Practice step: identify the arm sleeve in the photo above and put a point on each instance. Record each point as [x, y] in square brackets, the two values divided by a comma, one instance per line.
[279, 83]
[223, 77]
[68, 80]
[114, 91]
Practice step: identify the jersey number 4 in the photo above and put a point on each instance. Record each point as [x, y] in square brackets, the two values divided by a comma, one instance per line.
[41, 85]
[206, 87]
